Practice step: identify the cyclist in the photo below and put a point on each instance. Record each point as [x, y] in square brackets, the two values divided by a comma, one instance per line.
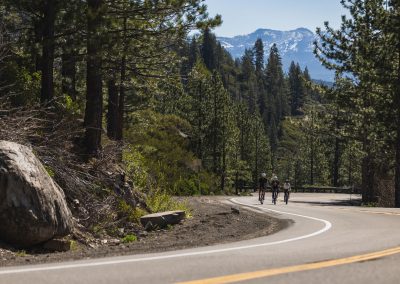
[263, 186]
[275, 187]
[287, 188]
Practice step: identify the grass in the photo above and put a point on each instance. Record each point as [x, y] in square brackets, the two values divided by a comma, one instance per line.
[133, 214]
[21, 253]
[73, 245]
[370, 204]
[129, 239]
[50, 171]
[160, 201]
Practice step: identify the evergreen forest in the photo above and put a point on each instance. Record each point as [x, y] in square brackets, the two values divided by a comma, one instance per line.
[141, 90]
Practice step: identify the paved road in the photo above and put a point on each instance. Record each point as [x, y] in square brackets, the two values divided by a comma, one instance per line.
[328, 242]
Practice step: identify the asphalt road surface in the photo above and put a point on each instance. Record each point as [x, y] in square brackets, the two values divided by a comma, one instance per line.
[328, 242]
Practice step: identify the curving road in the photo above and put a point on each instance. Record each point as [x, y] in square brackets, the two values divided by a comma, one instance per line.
[328, 242]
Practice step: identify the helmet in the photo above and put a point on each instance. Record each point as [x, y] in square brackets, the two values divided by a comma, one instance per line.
[263, 175]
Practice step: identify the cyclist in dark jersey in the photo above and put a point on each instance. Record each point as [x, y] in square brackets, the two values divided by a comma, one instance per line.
[275, 188]
[263, 182]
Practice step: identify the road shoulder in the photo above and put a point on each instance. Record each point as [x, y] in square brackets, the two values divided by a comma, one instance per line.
[213, 222]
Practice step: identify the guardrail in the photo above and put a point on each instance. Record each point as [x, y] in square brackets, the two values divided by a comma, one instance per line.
[314, 189]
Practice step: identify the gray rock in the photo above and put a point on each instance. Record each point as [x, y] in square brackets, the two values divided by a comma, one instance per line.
[162, 219]
[235, 210]
[114, 242]
[121, 232]
[57, 245]
[32, 206]
[148, 225]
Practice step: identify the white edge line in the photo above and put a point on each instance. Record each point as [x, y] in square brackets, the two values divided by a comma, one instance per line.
[327, 226]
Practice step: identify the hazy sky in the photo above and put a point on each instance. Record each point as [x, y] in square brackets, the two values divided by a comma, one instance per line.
[245, 16]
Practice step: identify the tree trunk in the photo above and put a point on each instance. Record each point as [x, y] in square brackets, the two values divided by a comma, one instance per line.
[223, 174]
[397, 174]
[68, 71]
[47, 84]
[397, 102]
[336, 163]
[224, 150]
[237, 183]
[242, 134]
[350, 170]
[38, 38]
[312, 150]
[214, 134]
[121, 102]
[368, 176]
[312, 163]
[112, 110]
[199, 146]
[255, 181]
[94, 95]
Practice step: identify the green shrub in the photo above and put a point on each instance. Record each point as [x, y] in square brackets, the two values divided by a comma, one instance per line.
[160, 201]
[133, 214]
[129, 239]
[135, 166]
[21, 253]
[73, 245]
[49, 170]
[160, 148]
[186, 187]
[25, 84]
[70, 105]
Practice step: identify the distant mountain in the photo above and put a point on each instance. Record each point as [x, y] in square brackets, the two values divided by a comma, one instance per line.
[295, 45]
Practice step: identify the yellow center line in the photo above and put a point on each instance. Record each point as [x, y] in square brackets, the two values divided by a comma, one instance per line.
[372, 212]
[296, 268]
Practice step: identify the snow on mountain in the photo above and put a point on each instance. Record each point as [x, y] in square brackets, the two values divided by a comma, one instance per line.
[295, 45]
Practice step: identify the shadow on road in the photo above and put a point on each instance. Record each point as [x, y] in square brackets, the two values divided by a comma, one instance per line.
[338, 202]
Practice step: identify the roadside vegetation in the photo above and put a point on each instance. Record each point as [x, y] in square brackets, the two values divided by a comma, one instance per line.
[126, 110]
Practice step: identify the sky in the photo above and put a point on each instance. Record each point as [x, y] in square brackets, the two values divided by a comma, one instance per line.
[245, 16]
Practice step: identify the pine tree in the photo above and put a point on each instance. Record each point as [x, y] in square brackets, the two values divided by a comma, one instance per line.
[208, 50]
[194, 53]
[94, 92]
[359, 48]
[277, 105]
[141, 46]
[259, 57]
[198, 89]
[248, 81]
[296, 89]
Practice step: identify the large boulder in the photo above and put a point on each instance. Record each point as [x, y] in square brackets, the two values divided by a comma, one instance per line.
[32, 206]
[162, 219]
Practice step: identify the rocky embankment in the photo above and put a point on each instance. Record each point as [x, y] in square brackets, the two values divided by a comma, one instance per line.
[33, 209]
[34, 215]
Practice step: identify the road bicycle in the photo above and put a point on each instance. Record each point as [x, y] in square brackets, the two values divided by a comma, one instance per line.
[274, 196]
[286, 197]
[261, 196]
